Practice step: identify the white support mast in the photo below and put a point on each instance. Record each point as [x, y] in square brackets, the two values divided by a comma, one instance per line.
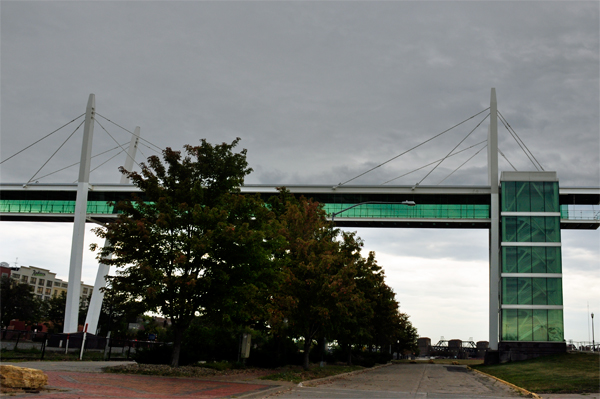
[95, 307]
[495, 224]
[83, 186]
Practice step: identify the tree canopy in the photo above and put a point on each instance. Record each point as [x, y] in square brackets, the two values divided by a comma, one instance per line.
[193, 245]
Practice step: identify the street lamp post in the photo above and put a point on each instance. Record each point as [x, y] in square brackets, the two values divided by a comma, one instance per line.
[407, 203]
[593, 341]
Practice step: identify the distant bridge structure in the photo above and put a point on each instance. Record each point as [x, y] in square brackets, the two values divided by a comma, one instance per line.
[524, 213]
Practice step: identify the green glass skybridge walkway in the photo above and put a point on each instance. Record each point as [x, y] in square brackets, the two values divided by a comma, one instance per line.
[436, 206]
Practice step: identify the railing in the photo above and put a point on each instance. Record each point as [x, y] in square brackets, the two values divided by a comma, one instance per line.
[419, 211]
[20, 345]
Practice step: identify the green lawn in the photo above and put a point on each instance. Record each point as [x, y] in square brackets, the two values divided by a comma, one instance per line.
[564, 373]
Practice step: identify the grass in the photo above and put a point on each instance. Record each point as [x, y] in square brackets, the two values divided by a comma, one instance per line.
[297, 374]
[468, 362]
[564, 373]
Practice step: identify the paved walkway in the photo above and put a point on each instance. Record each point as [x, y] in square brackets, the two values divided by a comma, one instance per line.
[76, 380]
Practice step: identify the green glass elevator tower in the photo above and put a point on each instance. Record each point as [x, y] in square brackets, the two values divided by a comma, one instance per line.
[531, 303]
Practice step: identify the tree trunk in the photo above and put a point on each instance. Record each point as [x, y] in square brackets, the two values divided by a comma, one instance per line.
[305, 362]
[177, 346]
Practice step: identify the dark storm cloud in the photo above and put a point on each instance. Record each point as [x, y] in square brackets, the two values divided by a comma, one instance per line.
[311, 88]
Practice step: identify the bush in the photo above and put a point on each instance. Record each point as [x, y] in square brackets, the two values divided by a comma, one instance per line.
[157, 354]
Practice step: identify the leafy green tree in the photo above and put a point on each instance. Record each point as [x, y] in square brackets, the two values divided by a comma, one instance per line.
[17, 301]
[318, 288]
[193, 245]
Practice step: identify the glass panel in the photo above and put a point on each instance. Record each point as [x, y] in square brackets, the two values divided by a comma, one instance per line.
[509, 325]
[552, 229]
[509, 259]
[524, 295]
[509, 291]
[525, 325]
[555, 325]
[524, 259]
[509, 229]
[523, 202]
[523, 229]
[551, 196]
[553, 260]
[538, 259]
[540, 325]
[537, 196]
[538, 229]
[554, 289]
[509, 196]
[539, 291]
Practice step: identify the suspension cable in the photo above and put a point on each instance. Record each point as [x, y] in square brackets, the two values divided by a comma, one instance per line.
[518, 139]
[58, 149]
[431, 163]
[76, 163]
[472, 156]
[141, 138]
[48, 135]
[443, 159]
[504, 156]
[109, 159]
[399, 155]
[122, 148]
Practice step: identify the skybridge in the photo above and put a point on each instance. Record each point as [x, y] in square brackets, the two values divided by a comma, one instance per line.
[455, 207]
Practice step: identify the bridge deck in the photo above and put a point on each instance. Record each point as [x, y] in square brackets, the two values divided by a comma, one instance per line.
[437, 206]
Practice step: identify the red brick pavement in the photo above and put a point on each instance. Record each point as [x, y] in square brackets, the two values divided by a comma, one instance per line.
[71, 385]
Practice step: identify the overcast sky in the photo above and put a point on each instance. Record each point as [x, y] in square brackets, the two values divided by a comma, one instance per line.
[319, 92]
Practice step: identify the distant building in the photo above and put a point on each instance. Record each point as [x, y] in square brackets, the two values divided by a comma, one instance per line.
[44, 282]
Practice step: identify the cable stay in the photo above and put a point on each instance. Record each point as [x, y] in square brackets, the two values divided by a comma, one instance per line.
[399, 155]
[51, 156]
[504, 156]
[103, 163]
[129, 131]
[472, 156]
[520, 142]
[455, 147]
[122, 148]
[431, 163]
[77, 163]
[48, 135]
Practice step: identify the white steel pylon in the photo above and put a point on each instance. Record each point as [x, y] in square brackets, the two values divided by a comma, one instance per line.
[83, 185]
[93, 314]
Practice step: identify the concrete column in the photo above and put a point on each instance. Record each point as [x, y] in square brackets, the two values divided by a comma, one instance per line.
[95, 307]
[495, 224]
[83, 186]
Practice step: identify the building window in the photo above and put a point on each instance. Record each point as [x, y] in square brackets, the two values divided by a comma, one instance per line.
[24, 279]
[40, 290]
[41, 282]
[48, 291]
[64, 285]
[32, 280]
[16, 276]
[85, 290]
[57, 283]
[49, 283]
[4, 275]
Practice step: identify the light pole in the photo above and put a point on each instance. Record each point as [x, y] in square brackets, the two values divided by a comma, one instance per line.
[407, 203]
[593, 342]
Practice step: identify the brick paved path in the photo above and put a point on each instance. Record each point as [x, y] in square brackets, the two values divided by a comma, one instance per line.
[72, 385]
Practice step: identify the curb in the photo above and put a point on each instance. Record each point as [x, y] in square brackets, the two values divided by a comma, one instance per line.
[523, 391]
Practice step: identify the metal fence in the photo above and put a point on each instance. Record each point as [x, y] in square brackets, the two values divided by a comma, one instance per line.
[31, 344]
